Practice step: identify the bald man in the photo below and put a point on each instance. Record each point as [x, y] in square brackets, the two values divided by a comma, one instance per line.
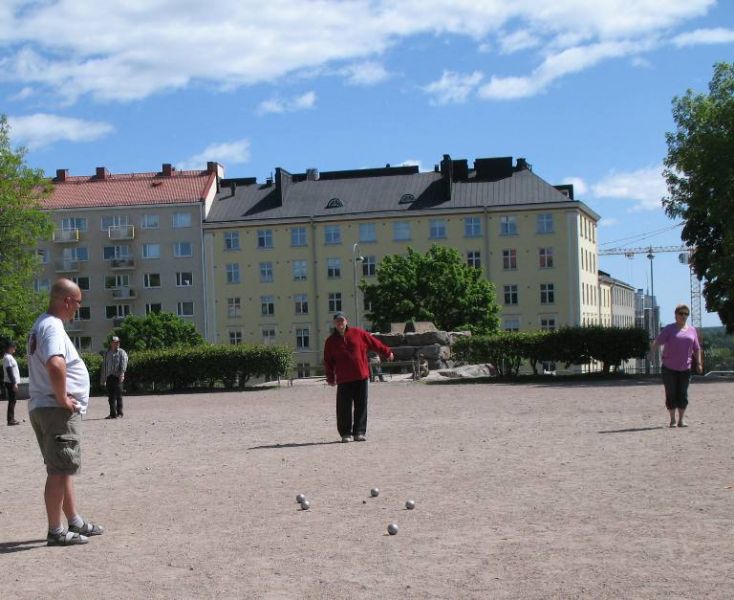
[59, 394]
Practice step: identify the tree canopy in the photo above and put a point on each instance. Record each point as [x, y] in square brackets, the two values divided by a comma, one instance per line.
[22, 225]
[156, 331]
[699, 170]
[437, 286]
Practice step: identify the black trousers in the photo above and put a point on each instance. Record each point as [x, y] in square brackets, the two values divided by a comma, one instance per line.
[10, 395]
[348, 394]
[676, 388]
[114, 395]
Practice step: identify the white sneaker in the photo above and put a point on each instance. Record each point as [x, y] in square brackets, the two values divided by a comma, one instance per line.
[360, 438]
[346, 438]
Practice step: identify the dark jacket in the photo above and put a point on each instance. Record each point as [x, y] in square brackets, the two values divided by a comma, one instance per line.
[345, 357]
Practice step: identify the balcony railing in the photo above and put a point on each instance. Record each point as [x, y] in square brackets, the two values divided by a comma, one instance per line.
[121, 232]
[122, 263]
[124, 293]
[67, 265]
[75, 325]
[66, 236]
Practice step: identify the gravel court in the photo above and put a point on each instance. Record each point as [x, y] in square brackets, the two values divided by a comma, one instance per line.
[551, 490]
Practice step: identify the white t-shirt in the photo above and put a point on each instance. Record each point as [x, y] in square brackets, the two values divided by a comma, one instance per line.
[48, 338]
[9, 361]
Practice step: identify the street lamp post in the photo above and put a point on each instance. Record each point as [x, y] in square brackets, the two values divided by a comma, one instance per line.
[356, 257]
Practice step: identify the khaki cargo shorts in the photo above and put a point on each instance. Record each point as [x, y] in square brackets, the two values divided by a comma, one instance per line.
[59, 435]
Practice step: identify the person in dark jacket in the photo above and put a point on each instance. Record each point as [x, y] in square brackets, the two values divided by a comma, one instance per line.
[346, 365]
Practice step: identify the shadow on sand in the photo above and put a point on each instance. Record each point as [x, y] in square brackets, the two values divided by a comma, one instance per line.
[293, 445]
[634, 429]
[8, 547]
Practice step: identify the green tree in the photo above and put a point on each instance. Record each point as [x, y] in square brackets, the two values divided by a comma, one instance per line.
[700, 177]
[22, 225]
[437, 286]
[156, 331]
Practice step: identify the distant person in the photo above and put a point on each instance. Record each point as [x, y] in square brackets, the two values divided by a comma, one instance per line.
[11, 375]
[59, 395]
[680, 346]
[114, 367]
[346, 366]
[375, 366]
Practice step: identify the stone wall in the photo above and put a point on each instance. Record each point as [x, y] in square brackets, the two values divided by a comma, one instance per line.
[435, 346]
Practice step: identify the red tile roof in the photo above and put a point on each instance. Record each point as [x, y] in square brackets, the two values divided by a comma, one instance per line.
[130, 189]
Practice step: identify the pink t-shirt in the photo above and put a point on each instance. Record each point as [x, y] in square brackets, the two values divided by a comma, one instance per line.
[678, 346]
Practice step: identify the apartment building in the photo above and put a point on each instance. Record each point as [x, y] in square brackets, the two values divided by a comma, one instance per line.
[133, 243]
[281, 256]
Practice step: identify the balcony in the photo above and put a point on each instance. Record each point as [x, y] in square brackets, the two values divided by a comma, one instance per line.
[67, 265]
[119, 264]
[124, 293]
[121, 232]
[66, 236]
[73, 326]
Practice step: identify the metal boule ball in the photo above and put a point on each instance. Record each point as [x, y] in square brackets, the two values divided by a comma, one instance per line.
[305, 505]
[410, 504]
[374, 492]
[300, 498]
[392, 528]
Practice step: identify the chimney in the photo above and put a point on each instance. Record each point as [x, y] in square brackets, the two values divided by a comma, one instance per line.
[168, 170]
[232, 187]
[103, 173]
[62, 174]
[522, 165]
[312, 174]
[216, 168]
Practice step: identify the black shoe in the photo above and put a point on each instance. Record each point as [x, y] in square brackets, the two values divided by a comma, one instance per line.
[111, 417]
[13, 422]
[119, 415]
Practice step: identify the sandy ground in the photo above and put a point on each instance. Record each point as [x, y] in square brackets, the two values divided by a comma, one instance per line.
[521, 491]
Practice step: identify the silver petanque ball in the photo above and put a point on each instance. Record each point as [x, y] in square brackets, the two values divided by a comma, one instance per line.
[374, 492]
[410, 504]
[305, 505]
[300, 498]
[392, 528]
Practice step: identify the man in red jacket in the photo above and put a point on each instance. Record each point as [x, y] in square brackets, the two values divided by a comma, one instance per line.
[347, 367]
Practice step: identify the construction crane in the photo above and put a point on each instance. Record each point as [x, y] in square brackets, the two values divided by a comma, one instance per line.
[684, 256]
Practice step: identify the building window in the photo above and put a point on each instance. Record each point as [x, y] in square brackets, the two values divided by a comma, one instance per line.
[185, 309]
[264, 239]
[303, 369]
[437, 229]
[266, 272]
[547, 323]
[153, 307]
[42, 254]
[301, 302]
[152, 280]
[508, 225]
[182, 249]
[232, 240]
[298, 237]
[267, 305]
[80, 253]
[511, 324]
[303, 341]
[510, 294]
[184, 279]
[474, 259]
[300, 270]
[367, 232]
[547, 293]
[369, 266]
[509, 259]
[332, 234]
[84, 313]
[117, 311]
[82, 342]
[545, 223]
[41, 285]
[116, 252]
[115, 282]
[150, 222]
[472, 227]
[233, 272]
[235, 337]
[335, 203]
[181, 220]
[268, 334]
[401, 231]
[333, 268]
[114, 222]
[233, 307]
[151, 250]
[545, 256]
[82, 282]
[74, 224]
[335, 301]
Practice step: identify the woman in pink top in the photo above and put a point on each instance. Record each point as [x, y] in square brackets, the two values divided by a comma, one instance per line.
[680, 343]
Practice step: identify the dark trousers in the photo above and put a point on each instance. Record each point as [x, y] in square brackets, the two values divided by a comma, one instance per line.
[676, 388]
[353, 392]
[114, 395]
[10, 395]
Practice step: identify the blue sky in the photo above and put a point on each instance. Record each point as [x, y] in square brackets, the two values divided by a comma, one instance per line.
[581, 89]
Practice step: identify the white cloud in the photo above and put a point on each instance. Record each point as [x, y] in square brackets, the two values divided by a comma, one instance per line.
[608, 222]
[717, 35]
[365, 73]
[279, 106]
[226, 153]
[452, 87]
[579, 186]
[517, 41]
[645, 187]
[41, 129]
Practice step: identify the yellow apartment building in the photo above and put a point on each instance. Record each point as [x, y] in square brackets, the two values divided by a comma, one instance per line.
[133, 243]
[282, 256]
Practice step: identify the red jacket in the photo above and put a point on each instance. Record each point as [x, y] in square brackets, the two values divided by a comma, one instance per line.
[345, 356]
